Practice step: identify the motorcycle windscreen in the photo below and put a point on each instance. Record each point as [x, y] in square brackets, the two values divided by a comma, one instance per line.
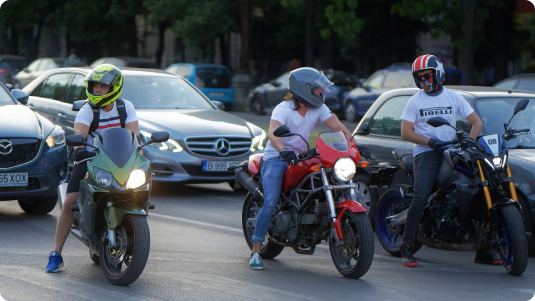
[333, 145]
[118, 144]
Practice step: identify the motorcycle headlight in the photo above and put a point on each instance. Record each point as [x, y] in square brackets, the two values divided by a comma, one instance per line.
[497, 161]
[169, 145]
[258, 141]
[104, 178]
[136, 179]
[56, 137]
[344, 169]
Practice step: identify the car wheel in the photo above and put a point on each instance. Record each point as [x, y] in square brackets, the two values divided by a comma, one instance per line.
[350, 112]
[256, 105]
[38, 206]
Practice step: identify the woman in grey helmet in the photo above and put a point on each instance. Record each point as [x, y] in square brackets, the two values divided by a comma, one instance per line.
[302, 108]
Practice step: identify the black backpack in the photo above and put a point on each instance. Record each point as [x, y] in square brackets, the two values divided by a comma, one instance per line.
[121, 110]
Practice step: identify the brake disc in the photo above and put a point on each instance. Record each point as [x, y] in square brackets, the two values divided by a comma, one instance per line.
[115, 255]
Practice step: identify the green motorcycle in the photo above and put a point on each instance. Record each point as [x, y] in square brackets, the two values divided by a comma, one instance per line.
[114, 198]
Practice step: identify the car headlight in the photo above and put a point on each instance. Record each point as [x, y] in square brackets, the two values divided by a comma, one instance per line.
[344, 169]
[56, 137]
[136, 179]
[258, 141]
[169, 145]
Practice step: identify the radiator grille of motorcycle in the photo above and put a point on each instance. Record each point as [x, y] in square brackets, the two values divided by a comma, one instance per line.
[219, 146]
[18, 152]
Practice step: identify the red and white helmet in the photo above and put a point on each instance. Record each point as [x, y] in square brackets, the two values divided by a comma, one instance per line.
[429, 62]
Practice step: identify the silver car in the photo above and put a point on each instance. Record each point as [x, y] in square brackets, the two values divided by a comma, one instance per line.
[36, 68]
[204, 139]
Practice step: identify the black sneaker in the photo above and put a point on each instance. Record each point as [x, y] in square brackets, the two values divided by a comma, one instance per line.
[487, 256]
[406, 253]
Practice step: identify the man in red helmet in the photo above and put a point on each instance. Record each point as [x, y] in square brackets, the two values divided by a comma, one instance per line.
[434, 100]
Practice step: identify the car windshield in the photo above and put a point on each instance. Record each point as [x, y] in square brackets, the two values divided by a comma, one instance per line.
[154, 91]
[494, 112]
[342, 78]
[210, 77]
[5, 98]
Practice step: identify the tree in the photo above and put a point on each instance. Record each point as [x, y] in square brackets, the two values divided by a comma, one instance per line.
[463, 20]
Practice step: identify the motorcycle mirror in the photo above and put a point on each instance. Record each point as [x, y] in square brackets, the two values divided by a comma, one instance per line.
[75, 140]
[521, 105]
[159, 137]
[365, 130]
[77, 105]
[282, 131]
[437, 121]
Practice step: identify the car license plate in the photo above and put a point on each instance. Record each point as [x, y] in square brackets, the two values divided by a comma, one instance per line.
[13, 179]
[218, 165]
[216, 94]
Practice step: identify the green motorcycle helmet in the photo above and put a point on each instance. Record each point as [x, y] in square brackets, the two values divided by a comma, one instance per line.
[106, 74]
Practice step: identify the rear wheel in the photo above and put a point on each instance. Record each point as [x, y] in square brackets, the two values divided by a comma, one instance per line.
[123, 263]
[352, 256]
[350, 112]
[251, 207]
[391, 236]
[43, 206]
[513, 241]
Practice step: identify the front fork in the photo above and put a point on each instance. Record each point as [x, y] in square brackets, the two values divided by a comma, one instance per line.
[337, 231]
[512, 189]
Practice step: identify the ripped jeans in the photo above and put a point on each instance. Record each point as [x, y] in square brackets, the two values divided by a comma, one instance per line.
[272, 174]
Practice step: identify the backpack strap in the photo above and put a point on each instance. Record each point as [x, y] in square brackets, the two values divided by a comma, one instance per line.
[96, 117]
[121, 110]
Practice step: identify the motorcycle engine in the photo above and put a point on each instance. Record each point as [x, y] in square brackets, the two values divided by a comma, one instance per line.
[442, 219]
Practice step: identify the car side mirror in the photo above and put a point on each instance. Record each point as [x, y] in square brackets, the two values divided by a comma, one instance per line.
[368, 88]
[275, 83]
[77, 105]
[9, 86]
[282, 131]
[20, 95]
[219, 105]
[365, 129]
[159, 137]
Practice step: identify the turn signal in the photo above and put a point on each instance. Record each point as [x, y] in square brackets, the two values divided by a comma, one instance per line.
[364, 163]
[315, 168]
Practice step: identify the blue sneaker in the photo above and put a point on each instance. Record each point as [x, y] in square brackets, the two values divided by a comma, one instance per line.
[256, 262]
[55, 262]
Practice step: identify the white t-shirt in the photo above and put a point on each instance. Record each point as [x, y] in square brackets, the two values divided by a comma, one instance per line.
[107, 119]
[285, 114]
[421, 107]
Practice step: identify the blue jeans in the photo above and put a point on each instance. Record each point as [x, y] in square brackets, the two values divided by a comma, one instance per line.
[272, 174]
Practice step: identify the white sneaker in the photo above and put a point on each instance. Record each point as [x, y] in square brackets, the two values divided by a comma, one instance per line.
[256, 262]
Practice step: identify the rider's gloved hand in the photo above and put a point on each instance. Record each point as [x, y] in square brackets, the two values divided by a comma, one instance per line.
[433, 143]
[81, 153]
[289, 156]
[364, 151]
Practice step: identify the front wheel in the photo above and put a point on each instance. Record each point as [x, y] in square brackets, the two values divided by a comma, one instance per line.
[391, 236]
[513, 240]
[123, 263]
[251, 207]
[350, 112]
[352, 256]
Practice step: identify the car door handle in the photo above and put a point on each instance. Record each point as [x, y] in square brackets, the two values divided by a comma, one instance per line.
[60, 115]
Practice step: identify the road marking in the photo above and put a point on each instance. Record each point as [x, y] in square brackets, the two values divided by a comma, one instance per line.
[236, 287]
[197, 223]
[62, 282]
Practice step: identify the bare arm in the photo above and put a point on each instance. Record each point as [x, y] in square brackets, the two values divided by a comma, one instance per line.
[276, 142]
[335, 125]
[410, 135]
[134, 128]
[477, 125]
[81, 129]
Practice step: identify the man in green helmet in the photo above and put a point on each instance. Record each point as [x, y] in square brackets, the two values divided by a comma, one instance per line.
[104, 85]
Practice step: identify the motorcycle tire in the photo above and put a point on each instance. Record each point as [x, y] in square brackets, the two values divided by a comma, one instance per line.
[513, 247]
[353, 256]
[251, 206]
[391, 237]
[125, 263]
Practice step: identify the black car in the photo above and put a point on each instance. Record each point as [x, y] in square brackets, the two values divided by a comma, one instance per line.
[9, 66]
[494, 107]
[33, 155]
[267, 96]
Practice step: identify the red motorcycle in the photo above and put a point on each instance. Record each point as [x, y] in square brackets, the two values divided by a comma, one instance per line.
[318, 202]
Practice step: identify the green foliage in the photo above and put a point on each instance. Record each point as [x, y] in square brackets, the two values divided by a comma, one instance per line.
[26, 13]
[342, 19]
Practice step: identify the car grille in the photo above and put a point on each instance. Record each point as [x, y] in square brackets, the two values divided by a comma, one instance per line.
[24, 151]
[219, 146]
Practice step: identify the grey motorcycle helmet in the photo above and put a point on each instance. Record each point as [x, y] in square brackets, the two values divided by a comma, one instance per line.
[303, 80]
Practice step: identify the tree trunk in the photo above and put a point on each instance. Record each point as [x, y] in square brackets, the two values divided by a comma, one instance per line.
[466, 54]
[309, 34]
[162, 26]
[224, 51]
[245, 6]
[502, 14]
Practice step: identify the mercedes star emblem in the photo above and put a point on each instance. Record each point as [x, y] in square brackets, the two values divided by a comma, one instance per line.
[222, 147]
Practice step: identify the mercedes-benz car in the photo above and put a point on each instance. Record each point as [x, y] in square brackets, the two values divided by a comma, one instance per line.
[33, 155]
[204, 139]
[494, 107]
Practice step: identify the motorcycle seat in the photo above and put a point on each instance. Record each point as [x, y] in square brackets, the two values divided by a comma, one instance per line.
[405, 159]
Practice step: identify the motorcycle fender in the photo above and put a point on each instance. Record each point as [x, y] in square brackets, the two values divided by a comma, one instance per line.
[504, 202]
[114, 215]
[346, 205]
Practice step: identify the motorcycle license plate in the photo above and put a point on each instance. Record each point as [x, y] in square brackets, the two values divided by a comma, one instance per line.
[14, 179]
[218, 165]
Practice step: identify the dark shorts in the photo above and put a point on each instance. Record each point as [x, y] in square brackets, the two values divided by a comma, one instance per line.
[77, 174]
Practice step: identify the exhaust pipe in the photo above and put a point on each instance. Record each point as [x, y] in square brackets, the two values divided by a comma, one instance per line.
[62, 192]
[249, 183]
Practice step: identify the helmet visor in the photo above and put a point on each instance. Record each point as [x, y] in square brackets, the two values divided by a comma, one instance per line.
[321, 81]
[106, 77]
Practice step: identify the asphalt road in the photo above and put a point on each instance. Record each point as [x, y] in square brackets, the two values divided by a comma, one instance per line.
[198, 253]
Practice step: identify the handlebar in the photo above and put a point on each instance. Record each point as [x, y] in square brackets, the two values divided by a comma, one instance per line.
[93, 154]
[307, 154]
